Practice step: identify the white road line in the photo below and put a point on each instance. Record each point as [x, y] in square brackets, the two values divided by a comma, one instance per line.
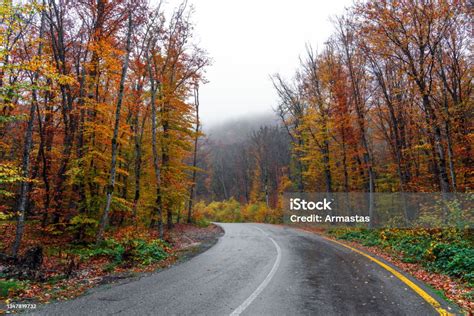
[265, 282]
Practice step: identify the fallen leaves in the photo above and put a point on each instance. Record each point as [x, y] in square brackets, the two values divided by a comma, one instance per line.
[455, 290]
[56, 286]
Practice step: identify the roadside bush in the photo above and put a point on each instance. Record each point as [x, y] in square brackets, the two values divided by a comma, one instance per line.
[202, 222]
[83, 226]
[143, 252]
[131, 250]
[8, 286]
[231, 211]
[365, 236]
[456, 260]
[108, 248]
[447, 251]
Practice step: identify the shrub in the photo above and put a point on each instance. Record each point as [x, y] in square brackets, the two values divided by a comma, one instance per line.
[131, 250]
[202, 222]
[231, 211]
[83, 225]
[446, 251]
[107, 248]
[8, 286]
[145, 253]
[225, 211]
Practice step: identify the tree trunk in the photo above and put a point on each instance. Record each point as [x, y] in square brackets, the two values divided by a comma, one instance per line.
[358, 102]
[113, 163]
[25, 170]
[154, 124]
[327, 167]
[138, 136]
[196, 140]
[443, 175]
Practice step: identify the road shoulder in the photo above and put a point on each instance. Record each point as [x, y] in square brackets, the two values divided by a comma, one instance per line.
[442, 306]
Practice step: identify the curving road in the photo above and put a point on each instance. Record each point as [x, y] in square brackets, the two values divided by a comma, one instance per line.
[257, 269]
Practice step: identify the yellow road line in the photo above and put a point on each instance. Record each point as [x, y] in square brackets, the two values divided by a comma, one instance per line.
[402, 278]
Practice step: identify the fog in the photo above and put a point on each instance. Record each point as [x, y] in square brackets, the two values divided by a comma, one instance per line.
[250, 40]
[236, 129]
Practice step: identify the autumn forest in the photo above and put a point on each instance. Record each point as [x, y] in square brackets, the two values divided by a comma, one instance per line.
[103, 113]
[100, 133]
[384, 106]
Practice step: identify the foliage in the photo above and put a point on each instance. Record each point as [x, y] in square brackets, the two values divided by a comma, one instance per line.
[144, 252]
[231, 211]
[201, 222]
[83, 223]
[383, 105]
[225, 211]
[9, 286]
[108, 248]
[128, 250]
[61, 90]
[448, 251]
[9, 174]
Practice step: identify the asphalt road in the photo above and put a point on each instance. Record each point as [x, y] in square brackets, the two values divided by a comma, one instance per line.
[257, 269]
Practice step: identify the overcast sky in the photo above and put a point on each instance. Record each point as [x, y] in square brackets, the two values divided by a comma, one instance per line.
[248, 41]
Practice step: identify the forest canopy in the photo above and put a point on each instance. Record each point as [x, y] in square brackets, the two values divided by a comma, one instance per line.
[384, 106]
[98, 114]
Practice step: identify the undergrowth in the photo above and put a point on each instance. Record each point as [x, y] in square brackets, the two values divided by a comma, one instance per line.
[446, 251]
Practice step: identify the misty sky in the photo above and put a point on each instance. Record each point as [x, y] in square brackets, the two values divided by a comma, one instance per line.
[248, 41]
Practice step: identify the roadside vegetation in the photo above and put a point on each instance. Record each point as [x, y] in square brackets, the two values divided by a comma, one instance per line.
[231, 211]
[442, 258]
[65, 268]
[447, 251]
[99, 129]
[102, 156]
[60, 268]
